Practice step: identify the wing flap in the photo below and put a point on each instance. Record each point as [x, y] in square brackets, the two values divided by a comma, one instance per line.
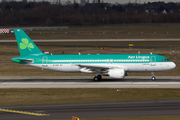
[100, 68]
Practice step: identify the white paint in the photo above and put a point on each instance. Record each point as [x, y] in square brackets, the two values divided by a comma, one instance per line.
[97, 67]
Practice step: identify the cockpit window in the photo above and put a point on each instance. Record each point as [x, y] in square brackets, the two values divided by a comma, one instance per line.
[164, 60]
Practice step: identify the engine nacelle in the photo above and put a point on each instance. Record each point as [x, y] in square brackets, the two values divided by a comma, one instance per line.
[116, 73]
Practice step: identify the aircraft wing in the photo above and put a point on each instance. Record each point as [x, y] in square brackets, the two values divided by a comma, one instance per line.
[100, 68]
[96, 66]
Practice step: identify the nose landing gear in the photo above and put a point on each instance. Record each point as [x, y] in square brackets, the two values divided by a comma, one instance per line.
[153, 77]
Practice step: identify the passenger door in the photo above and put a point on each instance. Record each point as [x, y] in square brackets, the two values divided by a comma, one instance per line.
[44, 62]
[153, 61]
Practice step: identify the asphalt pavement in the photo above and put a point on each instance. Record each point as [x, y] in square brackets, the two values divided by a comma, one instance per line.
[90, 40]
[88, 82]
[164, 107]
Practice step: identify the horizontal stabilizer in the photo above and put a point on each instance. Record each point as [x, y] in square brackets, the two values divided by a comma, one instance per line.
[21, 60]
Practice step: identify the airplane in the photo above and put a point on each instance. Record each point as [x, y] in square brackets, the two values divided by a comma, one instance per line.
[113, 65]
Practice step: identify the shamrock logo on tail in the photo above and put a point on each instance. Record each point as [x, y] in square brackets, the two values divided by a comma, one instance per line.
[25, 44]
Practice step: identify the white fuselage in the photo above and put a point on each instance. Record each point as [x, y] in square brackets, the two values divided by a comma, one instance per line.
[129, 67]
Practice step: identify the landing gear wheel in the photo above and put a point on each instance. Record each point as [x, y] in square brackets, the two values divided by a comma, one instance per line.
[153, 78]
[99, 77]
[96, 78]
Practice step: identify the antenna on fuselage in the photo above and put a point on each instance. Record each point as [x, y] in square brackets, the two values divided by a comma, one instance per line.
[79, 53]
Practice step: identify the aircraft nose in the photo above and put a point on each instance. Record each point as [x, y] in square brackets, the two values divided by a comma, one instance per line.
[172, 65]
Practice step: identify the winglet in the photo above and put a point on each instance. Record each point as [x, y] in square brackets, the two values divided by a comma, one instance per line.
[25, 44]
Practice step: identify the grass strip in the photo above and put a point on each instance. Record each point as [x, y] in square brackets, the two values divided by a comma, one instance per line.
[57, 96]
[118, 32]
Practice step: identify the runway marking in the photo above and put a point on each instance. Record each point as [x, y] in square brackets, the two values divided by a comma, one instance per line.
[23, 112]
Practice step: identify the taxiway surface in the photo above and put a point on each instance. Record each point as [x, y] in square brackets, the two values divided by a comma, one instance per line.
[166, 107]
[96, 40]
[87, 82]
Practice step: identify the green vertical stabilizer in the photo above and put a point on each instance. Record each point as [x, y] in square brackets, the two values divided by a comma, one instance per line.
[25, 44]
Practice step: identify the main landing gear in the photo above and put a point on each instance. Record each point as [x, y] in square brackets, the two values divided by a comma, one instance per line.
[153, 77]
[97, 77]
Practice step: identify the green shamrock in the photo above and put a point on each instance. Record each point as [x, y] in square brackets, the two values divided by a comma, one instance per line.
[25, 44]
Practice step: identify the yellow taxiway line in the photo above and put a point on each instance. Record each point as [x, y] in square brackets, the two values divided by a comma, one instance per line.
[23, 112]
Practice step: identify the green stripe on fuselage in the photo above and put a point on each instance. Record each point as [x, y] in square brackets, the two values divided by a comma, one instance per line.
[102, 58]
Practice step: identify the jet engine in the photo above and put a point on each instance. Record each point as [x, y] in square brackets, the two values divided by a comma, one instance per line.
[116, 73]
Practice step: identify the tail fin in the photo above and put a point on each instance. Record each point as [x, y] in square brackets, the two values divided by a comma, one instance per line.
[25, 44]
